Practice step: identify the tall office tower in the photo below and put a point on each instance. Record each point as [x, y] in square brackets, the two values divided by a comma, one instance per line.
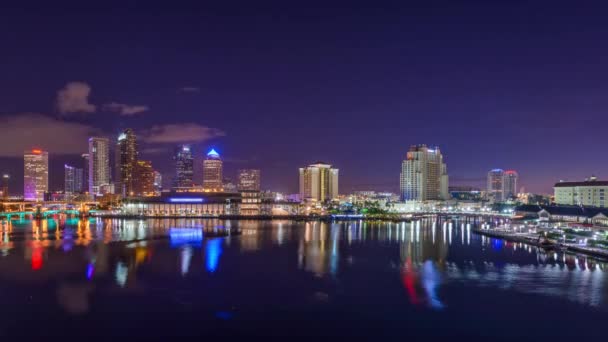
[319, 182]
[35, 175]
[158, 183]
[4, 190]
[424, 175]
[184, 167]
[126, 160]
[510, 184]
[85, 173]
[73, 180]
[212, 172]
[496, 185]
[249, 179]
[144, 179]
[99, 165]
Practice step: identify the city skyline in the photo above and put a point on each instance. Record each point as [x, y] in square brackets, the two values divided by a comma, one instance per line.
[383, 82]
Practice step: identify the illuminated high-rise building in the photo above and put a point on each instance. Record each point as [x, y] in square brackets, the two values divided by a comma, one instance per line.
[143, 184]
[85, 173]
[158, 183]
[249, 180]
[510, 184]
[319, 182]
[424, 175]
[212, 172]
[4, 189]
[35, 175]
[72, 180]
[496, 185]
[126, 160]
[99, 165]
[184, 167]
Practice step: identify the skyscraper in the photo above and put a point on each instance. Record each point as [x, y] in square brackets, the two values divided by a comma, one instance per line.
[99, 165]
[35, 175]
[4, 190]
[496, 185]
[510, 184]
[424, 175]
[212, 172]
[319, 182]
[73, 180]
[85, 173]
[158, 183]
[249, 180]
[126, 160]
[184, 167]
[143, 184]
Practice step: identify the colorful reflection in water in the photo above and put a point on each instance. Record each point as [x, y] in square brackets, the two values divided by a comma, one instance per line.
[429, 264]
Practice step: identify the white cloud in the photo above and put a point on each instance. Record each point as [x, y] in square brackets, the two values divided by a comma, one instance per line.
[125, 109]
[24, 131]
[74, 98]
[178, 133]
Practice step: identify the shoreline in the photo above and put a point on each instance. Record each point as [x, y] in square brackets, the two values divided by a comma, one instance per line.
[516, 238]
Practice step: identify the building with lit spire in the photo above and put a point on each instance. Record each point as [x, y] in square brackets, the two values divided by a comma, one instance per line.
[212, 172]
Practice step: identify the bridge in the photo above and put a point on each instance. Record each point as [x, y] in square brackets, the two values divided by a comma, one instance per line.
[22, 210]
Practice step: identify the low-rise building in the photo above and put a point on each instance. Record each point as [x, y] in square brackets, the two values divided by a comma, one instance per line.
[590, 192]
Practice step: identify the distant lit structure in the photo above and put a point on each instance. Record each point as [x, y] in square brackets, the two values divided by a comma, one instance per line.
[184, 167]
[85, 173]
[510, 184]
[423, 175]
[126, 159]
[99, 165]
[72, 180]
[35, 175]
[319, 182]
[212, 172]
[229, 186]
[249, 179]
[5, 179]
[143, 184]
[158, 183]
[496, 185]
[591, 192]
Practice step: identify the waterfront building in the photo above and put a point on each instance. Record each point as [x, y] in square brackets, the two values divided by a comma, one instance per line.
[250, 203]
[495, 190]
[183, 204]
[72, 180]
[510, 184]
[591, 192]
[319, 182]
[249, 179]
[212, 172]
[143, 184]
[35, 175]
[423, 175]
[4, 189]
[85, 173]
[126, 162]
[99, 165]
[158, 183]
[465, 193]
[184, 167]
[560, 213]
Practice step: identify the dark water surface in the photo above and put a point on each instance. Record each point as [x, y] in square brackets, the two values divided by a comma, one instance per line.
[372, 281]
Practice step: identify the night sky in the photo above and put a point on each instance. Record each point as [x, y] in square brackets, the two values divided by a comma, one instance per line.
[508, 84]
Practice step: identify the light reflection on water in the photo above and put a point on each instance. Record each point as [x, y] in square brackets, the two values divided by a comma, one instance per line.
[426, 256]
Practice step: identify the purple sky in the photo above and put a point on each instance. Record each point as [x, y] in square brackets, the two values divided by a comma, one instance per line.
[508, 85]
